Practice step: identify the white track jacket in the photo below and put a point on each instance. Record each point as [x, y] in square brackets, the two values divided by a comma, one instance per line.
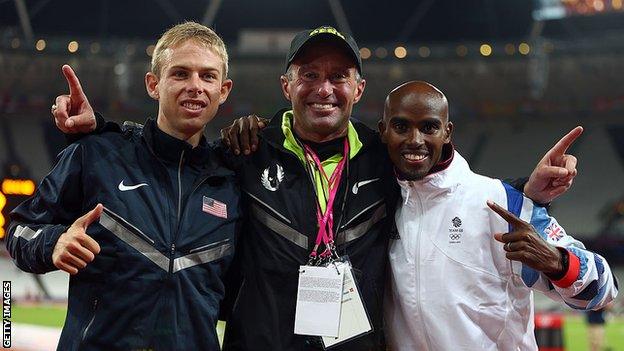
[452, 287]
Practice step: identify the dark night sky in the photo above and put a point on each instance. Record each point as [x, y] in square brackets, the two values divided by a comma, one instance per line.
[370, 21]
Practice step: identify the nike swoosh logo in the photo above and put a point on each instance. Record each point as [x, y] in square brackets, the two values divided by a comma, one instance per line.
[124, 187]
[356, 186]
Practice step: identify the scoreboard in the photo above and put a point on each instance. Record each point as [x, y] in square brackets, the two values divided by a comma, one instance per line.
[12, 193]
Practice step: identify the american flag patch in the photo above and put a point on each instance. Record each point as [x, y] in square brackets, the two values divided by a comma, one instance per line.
[214, 207]
[554, 231]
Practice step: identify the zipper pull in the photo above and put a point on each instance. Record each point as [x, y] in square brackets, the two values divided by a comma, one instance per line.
[172, 249]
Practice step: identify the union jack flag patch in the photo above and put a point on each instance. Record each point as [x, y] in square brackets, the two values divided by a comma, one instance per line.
[554, 231]
[214, 207]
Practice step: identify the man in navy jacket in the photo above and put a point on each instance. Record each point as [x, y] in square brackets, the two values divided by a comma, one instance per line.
[148, 275]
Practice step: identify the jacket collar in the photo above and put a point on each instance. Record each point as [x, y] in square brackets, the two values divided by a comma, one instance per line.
[169, 148]
[445, 180]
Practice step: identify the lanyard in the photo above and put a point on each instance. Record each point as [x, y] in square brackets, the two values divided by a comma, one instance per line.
[326, 220]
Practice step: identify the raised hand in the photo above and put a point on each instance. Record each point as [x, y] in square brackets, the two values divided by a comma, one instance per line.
[74, 248]
[555, 172]
[243, 134]
[73, 113]
[525, 245]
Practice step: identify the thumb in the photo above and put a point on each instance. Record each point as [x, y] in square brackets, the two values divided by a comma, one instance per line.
[91, 216]
[499, 237]
[84, 123]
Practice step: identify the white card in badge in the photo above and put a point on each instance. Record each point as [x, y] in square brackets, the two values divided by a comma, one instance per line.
[353, 318]
[319, 299]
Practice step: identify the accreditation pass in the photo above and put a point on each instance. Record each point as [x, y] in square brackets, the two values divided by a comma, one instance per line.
[319, 299]
[353, 318]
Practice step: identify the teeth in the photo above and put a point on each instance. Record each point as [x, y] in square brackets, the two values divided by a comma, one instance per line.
[322, 106]
[192, 106]
[414, 157]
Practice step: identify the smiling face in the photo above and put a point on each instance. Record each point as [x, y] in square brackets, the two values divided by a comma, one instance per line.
[322, 84]
[415, 128]
[189, 88]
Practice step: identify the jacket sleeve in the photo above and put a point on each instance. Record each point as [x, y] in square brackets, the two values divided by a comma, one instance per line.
[588, 282]
[38, 222]
[101, 126]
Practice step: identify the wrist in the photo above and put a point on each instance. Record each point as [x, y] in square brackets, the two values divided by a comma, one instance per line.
[571, 272]
[560, 267]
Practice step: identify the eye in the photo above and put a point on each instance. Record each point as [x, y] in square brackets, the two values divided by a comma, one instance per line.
[180, 74]
[309, 76]
[399, 127]
[339, 77]
[430, 128]
[209, 76]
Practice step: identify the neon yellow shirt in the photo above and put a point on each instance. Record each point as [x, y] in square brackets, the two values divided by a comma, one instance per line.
[329, 165]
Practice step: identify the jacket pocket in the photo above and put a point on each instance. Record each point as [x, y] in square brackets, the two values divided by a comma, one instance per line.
[85, 330]
[203, 254]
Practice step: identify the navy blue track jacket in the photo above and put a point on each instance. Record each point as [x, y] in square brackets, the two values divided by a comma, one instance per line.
[167, 237]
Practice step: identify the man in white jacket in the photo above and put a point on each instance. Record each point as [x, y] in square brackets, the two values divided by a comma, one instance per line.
[462, 274]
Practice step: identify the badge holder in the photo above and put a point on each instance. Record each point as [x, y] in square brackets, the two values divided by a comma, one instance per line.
[334, 316]
[354, 318]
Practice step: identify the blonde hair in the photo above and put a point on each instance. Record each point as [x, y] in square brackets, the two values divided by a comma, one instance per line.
[188, 31]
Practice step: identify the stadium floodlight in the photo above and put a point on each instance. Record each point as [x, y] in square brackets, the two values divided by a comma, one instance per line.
[40, 45]
[400, 52]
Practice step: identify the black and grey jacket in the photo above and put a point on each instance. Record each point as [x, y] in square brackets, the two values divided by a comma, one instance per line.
[167, 237]
[281, 226]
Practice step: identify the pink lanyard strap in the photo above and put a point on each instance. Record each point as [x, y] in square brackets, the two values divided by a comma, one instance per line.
[326, 221]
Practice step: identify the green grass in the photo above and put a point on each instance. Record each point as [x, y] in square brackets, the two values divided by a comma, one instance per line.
[54, 316]
[45, 315]
[575, 329]
[575, 333]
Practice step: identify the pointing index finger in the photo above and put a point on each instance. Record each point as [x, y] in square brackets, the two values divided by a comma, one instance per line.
[564, 143]
[505, 214]
[75, 89]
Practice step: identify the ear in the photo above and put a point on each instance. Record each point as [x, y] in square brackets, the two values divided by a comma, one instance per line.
[359, 90]
[285, 88]
[151, 85]
[381, 126]
[449, 132]
[226, 87]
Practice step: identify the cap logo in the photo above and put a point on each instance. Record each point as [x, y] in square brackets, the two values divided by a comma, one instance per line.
[330, 30]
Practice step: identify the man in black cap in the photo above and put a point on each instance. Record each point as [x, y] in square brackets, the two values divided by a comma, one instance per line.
[286, 194]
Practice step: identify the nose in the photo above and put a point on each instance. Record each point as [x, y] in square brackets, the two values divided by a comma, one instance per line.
[194, 84]
[325, 88]
[415, 137]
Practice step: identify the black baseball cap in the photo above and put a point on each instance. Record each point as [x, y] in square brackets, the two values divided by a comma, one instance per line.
[323, 33]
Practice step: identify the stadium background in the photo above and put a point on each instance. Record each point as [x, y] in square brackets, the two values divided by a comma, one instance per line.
[518, 75]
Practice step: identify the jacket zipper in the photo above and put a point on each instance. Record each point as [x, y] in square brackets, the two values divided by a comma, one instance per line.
[180, 185]
[417, 259]
[175, 235]
[181, 210]
[86, 329]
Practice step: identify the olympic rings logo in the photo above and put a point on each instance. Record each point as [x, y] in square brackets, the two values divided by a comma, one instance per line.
[454, 236]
